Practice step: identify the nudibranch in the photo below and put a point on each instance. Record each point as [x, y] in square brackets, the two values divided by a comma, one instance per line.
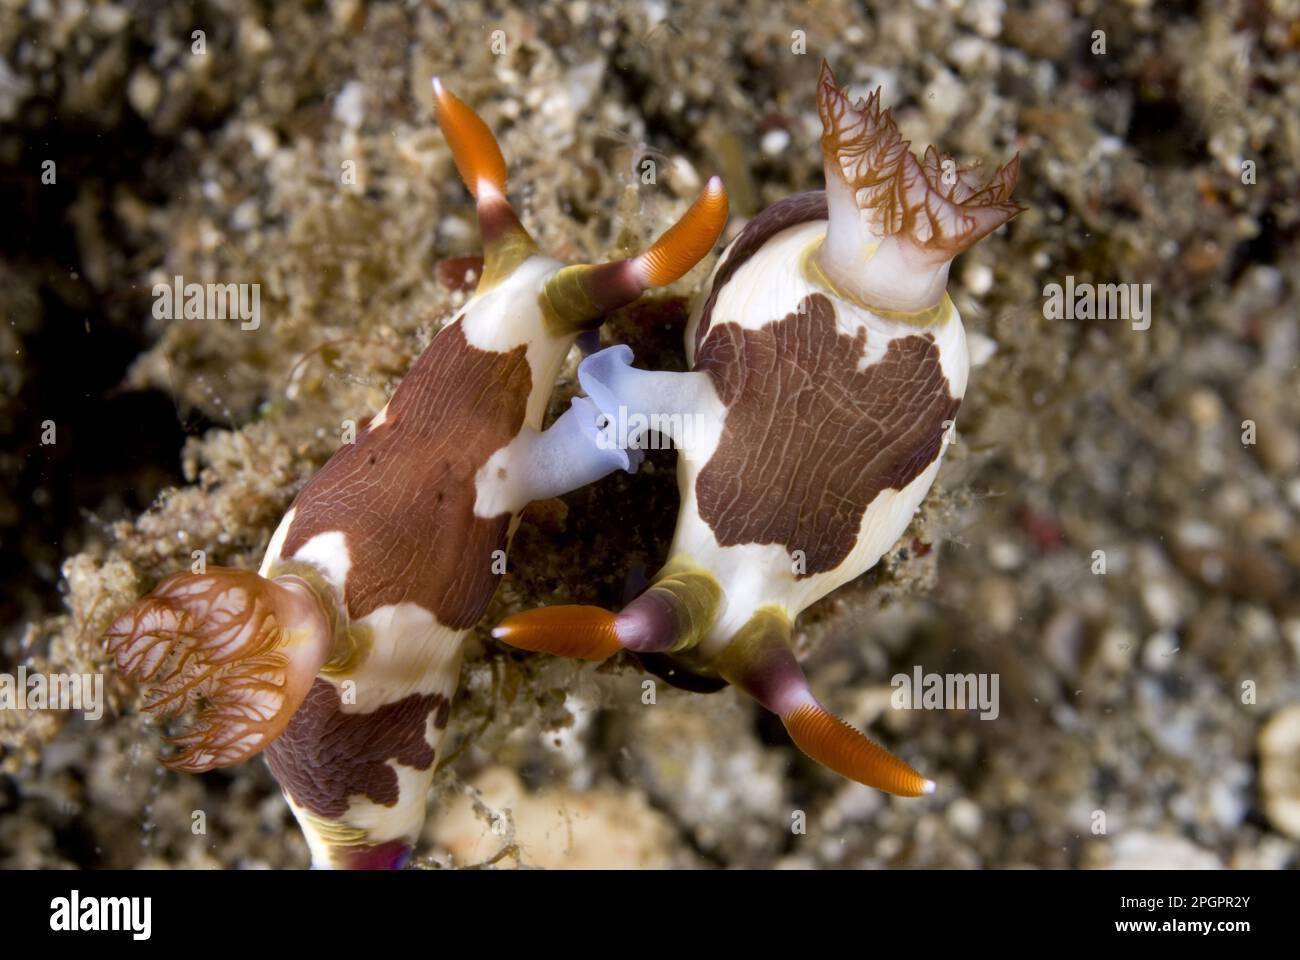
[340, 656]
[827, 363]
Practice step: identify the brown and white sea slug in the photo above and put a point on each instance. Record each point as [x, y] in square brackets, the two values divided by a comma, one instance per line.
[340, 657]
[828, 364]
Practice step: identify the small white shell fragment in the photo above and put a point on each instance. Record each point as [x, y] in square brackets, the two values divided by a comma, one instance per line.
[684, 177]
[349, 105]
[979, 278]
[262, 139]
[1005, 555]
[774, 141]
[143, 91]
[454, 228]
[1159, 651]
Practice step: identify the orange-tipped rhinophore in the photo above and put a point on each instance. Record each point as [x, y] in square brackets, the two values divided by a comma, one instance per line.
[687, 240]
[475, 150]
[506, 244]
[579, 296]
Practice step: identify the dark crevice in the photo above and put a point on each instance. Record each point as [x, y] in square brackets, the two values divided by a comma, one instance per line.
[81, 321]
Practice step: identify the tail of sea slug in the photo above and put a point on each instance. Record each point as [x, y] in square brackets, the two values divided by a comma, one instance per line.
[240, 647]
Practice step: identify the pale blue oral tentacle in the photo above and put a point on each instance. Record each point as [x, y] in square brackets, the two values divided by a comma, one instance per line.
[571, 453]
[681, 406]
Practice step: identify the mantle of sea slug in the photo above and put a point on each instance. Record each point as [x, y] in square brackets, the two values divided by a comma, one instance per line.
[811, 439]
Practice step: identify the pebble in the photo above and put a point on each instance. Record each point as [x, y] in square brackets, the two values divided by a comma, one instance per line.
[1162, 603]
[1159, 651]
[1279, 770]
[965, 817]
[979, 278]
[1005, 555]
[982, 348]
[349, 105]
[143, 91]
[1117, 648]
[775, 141]
[1143, 850]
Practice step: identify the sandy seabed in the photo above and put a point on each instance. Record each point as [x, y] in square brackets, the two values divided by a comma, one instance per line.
[1148, 715]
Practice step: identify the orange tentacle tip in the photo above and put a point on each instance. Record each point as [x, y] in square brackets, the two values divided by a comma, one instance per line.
[474, 148]
[837, 745]
[687, 240]
[585, 633]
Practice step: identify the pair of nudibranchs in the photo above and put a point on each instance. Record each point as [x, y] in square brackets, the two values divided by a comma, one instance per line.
[826, 366]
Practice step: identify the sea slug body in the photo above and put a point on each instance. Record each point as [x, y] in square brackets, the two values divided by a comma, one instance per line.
[339, 658]
[827, 368]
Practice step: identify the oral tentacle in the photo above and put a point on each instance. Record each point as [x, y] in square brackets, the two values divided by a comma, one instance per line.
[506, 243]
[760, 661]
[578, 297]
[638, 401]
[243, 648]
[571, 453]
